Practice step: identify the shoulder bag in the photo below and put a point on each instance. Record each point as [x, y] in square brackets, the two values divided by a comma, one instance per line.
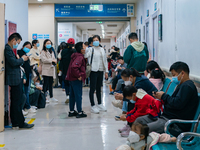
[89, 66]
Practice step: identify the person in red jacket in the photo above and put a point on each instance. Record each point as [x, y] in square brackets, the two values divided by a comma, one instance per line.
[144, 105]
[76, 75]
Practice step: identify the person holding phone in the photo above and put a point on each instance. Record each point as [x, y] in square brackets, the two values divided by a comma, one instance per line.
[35, 53]
[48, 69]
[27, 68]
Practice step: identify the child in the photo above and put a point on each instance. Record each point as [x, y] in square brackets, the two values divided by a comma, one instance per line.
[156, 78]
[140, 139]
[76, 75]
[144, 105]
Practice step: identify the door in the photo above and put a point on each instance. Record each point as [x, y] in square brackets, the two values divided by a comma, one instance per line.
[155, 38]
[2, 44]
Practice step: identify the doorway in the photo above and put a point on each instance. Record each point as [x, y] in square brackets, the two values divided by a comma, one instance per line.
[2, 43]
[155, 38]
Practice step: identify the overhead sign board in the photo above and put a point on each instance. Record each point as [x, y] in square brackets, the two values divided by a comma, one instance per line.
[87, 10]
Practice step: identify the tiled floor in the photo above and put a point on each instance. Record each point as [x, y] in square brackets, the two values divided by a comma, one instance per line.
[55, 131]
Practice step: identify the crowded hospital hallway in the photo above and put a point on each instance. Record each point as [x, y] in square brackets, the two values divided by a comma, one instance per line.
[99, 75]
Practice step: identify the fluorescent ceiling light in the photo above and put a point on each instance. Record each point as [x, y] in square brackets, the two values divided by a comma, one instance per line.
[39, 0]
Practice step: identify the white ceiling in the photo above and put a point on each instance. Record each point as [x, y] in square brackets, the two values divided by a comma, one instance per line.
[109, 31]
[85, 1]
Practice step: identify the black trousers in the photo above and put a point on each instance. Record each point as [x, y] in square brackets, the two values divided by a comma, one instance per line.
[16, 115]
[48, 85]
[114, 82]
[96, 80]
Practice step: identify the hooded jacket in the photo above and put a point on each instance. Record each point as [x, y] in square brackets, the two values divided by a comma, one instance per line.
[76, 68]
[144, 105]
[136, 56]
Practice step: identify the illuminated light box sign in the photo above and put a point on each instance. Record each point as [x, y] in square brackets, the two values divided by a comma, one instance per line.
[87, 10]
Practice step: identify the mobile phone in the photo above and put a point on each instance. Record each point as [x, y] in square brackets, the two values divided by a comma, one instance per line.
[29, 54]
[117, 117]
[154, 92]
[37, 54]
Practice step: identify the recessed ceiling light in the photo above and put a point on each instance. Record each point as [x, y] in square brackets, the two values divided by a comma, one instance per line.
[39, 0]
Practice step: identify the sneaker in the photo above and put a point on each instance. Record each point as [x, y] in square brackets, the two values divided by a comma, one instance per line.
[111, 93]
[117, 103]
[67, 100]
[81, 115]
[31, 110]
[25, 112]
[125, 128]
[74, 114]
[94, 109]
[47, 101]
[101, 107]
[27, 126]
[126, 133]
[34, 107]
[15, 127]
[53, 99]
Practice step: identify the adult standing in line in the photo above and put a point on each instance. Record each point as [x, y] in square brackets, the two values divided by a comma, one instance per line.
[13, 79]
[68, 50]
[35, 53]
[48, 61]
[99, 66]
[136, 54]
[27, 68]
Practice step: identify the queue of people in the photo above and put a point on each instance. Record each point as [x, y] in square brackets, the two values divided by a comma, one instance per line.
[136, 85]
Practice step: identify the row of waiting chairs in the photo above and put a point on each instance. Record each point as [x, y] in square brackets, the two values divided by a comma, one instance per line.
[187, 140]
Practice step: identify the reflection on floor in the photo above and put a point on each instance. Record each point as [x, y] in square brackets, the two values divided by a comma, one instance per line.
[55, 131]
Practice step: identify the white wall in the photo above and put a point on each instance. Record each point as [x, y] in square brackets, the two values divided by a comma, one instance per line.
[180, 31]
[17, 11]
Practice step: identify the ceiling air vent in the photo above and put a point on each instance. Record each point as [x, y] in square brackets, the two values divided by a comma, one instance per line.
[92, 29]
[112, 25]
[109, 32]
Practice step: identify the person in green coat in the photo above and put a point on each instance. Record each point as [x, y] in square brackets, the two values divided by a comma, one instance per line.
[136, 54]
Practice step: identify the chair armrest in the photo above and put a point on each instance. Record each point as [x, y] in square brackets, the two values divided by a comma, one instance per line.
[182, 135]
[169, 122]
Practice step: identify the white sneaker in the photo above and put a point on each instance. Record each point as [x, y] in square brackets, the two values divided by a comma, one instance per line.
[25, 112]
[53, 99]
[94, 109]
[31, 110]
[101, 107]
[34, 107]
[67, 96]
[117, 103]
[47, 101]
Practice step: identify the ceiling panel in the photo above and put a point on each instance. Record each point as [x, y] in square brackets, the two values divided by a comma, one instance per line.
[85, 1]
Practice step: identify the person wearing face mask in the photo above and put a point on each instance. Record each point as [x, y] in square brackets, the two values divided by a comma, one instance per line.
[132, 77]
[35, 53]
[14, 80]
[140, 138]
[181, 105]
[26, 65]
[48, 69]
[99, 66]
[144, 105]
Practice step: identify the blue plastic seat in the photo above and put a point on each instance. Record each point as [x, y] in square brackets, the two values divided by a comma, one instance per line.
[171, 89]
[193, 144]
[166, 84]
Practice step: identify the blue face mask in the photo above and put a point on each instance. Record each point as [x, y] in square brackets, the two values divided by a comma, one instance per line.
[96, 43]
[48, 46]
[175, 80]
[38, 44]
[15, 46]
[26, 50]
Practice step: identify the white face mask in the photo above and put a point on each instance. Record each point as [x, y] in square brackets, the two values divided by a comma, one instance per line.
[128, 82]
[133, 137]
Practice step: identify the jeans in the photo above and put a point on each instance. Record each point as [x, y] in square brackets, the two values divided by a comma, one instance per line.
[96, 80]
[48, 85]
[119, 85]
[66, 84]
[27, 91]
[75, 95]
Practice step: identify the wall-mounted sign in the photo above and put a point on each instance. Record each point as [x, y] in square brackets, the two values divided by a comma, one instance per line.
[160, 27]
[87, 10]
[36, 36]
[155, 6]
[148, 13]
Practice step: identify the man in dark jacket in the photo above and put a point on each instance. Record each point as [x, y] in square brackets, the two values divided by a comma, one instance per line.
[14, 80]
[136, 54]
[76, 75]
[181, 105]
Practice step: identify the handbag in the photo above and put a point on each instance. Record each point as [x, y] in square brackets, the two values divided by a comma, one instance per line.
[89, 66]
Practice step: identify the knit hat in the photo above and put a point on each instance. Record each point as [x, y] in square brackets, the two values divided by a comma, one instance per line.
[71, 41]
[124, 147]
